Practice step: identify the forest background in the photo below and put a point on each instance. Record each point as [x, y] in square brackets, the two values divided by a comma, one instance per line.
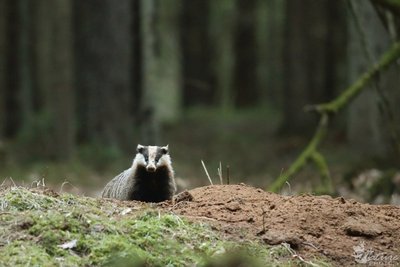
[227, 82]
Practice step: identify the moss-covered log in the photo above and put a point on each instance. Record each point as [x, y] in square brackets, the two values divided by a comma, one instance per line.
[304, 157]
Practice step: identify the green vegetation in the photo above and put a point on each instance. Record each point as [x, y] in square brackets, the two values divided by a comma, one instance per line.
[42, 228]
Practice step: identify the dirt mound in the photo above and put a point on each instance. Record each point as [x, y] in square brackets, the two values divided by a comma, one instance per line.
[345, 231]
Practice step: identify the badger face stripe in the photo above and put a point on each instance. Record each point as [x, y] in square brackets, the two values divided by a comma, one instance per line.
[152, 157]
[152, 153]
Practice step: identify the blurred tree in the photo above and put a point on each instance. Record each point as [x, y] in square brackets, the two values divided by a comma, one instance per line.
[161, 59]
[149, 121]
[221, 28]
[136, 69]
[246, 58]
[198, 81]
[270, 34]
[104, 66]
[3, 61]
[374, 115]
[24, 60]
[62, 94]
[55, 116]
[11, 89]
[295, 59]
[169, 61]
[310, 69]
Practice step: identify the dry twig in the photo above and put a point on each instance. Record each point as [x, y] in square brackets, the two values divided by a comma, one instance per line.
[205, 169]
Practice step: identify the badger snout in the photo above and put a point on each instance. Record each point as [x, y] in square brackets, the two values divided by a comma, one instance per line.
[151, 168]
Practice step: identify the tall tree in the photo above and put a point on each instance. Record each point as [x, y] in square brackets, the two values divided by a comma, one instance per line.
[198, 82]
[149, 120]
[167, 54]
[62, 94]
[162, 81]
[270, 25]
[245, 49]
[12, 118]
[104, 56]
[51, 97]
[308, 65]
[221, 28]
[3, 61]
[24, 60]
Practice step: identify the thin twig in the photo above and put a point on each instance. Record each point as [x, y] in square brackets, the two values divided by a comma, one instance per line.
[205, 169]
[67, 183]
[227, 174]
[290, 188]
[263, 219]
[220, 173]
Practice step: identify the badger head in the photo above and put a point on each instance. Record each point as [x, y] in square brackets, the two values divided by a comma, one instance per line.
[152, 157]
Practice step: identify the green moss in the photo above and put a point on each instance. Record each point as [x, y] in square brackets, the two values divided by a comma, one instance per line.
[19, 253]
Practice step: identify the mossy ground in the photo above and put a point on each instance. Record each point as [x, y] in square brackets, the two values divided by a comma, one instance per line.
[43, 228]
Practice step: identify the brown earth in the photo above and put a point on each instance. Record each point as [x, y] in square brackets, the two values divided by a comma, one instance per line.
[315, 226]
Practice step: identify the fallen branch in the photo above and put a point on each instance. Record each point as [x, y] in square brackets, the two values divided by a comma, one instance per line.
[327, 110]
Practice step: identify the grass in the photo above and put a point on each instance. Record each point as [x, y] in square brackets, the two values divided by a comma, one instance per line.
[39, 227]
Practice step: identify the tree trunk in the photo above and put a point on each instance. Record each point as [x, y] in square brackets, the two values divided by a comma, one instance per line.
[52, 130]
[245, 49]
[198, 82]
[62, 94]
[104, 56]
[24, 60]
[150, 124]
[3, 62]
[221, 28]
[136, 69]
[168, 57]
[295, 57]
[309, 65]
[270, 39]
[12, 118]
[336, 51]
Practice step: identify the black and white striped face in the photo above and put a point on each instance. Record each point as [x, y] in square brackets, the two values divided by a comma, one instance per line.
[152, 157]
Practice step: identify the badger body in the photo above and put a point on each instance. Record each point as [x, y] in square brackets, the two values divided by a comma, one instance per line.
[149, 179]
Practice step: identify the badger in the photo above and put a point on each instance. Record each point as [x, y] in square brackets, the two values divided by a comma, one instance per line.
[149, 179]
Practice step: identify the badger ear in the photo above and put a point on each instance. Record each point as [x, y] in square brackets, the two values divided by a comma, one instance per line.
[164, 149]
[139, 149]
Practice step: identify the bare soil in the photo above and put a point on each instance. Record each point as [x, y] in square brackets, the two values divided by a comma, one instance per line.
[315, 226]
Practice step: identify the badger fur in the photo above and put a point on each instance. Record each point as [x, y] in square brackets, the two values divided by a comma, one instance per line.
[149, 179]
